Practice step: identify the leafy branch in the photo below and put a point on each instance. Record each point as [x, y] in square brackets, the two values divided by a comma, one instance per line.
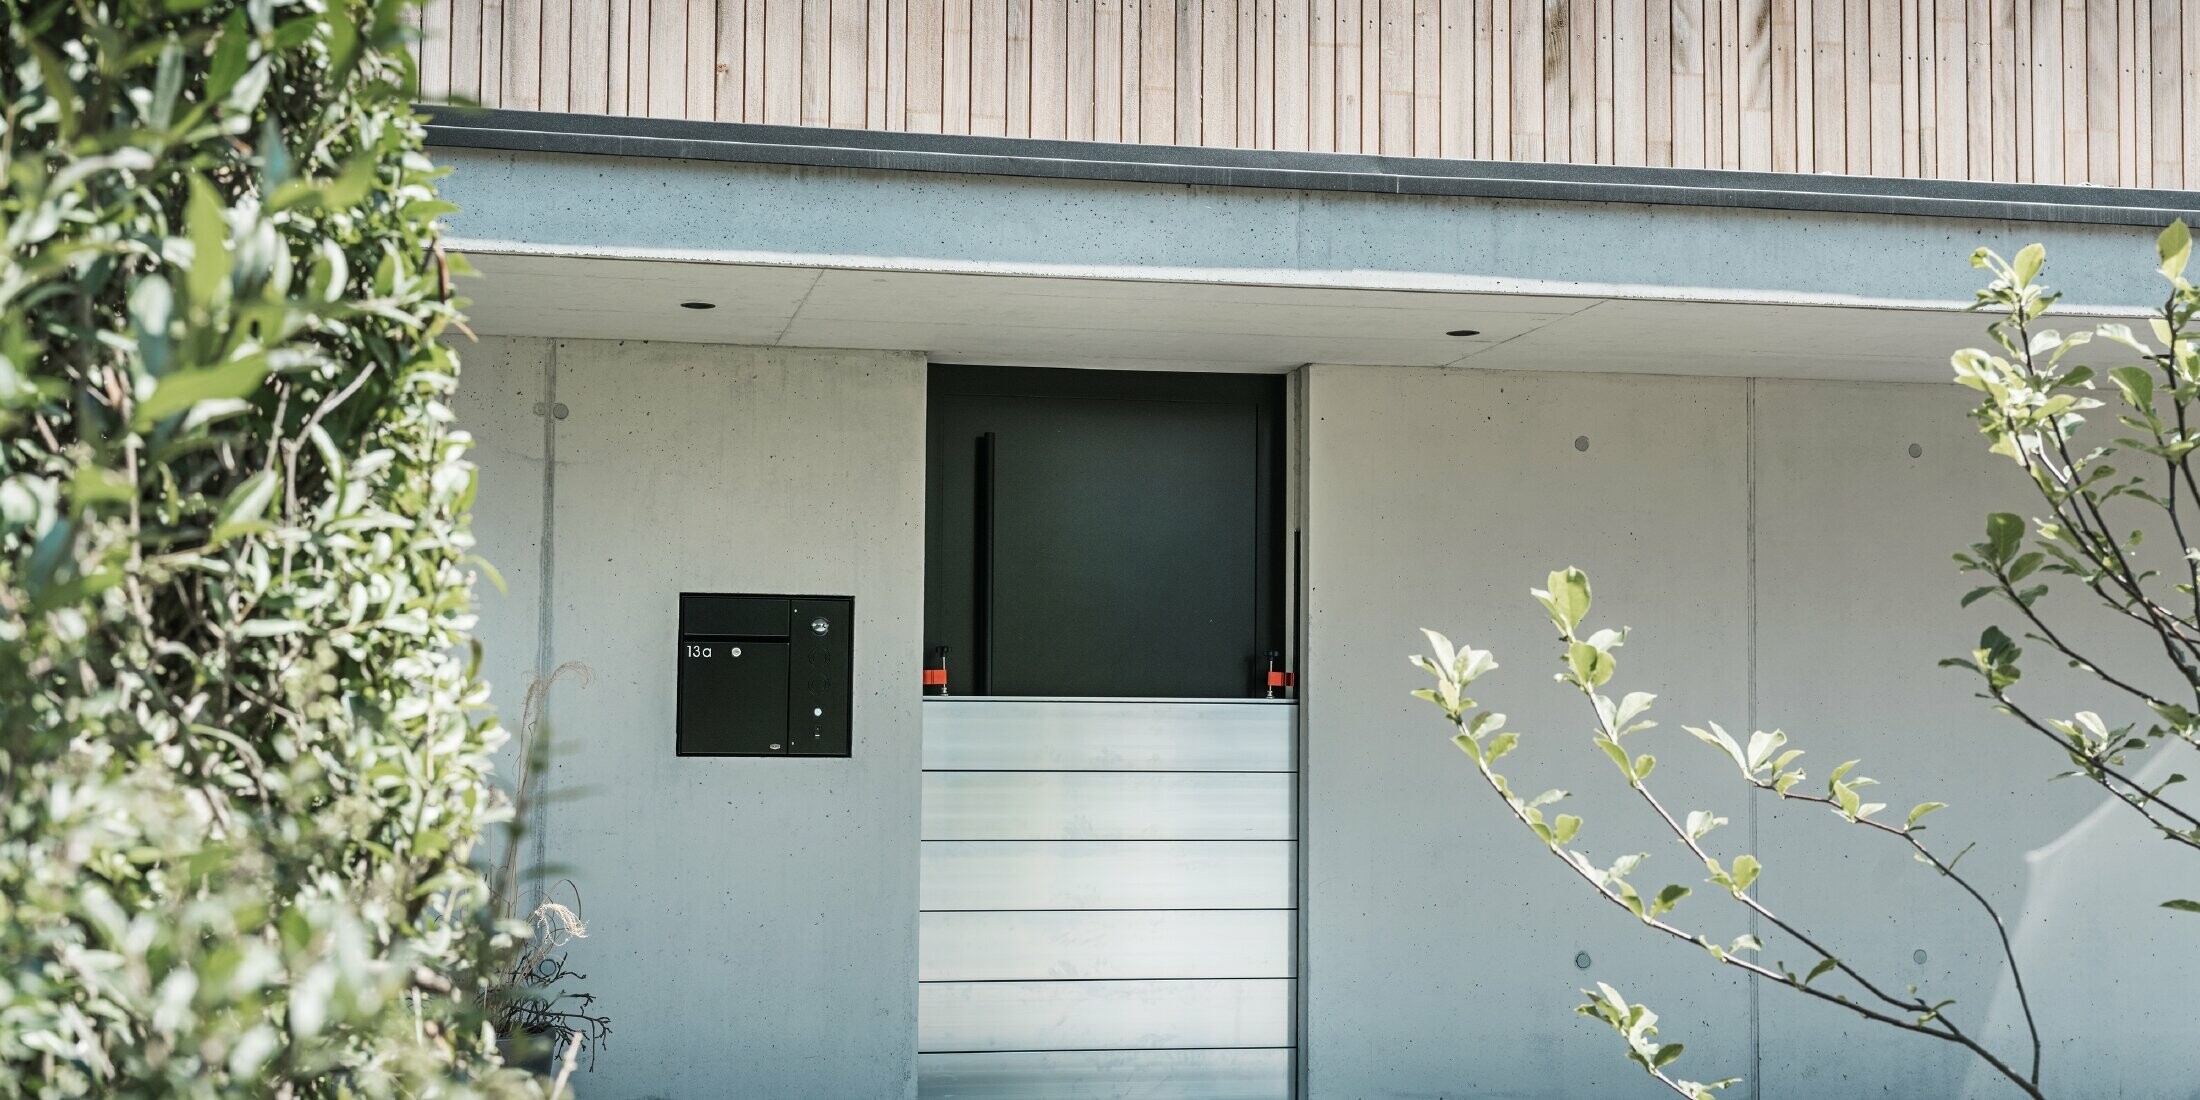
[245, 754]
[2036, 397]
[1589, 665]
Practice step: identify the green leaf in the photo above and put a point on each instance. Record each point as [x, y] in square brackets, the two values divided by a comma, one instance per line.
[1632, 707]
[1668, 898]
[53, 72]
[167, 86]
[1761, 747]
[1472, 664]
[352, 185]
[179, 391]
[1564, 828]
[1746, 869]
[1816, 972]
[273, 628]
[2185, 904]
[2004, 532]
[1920, 810]
[1619, 756]
[2028, 263]
[1590, 665]
[2137, 384]
[230, 55]
[1446, 654]
[152, 306]
[275, 166]
[241, 513]
[243, 97]
[209, 244]
[1628, 896]
[93, 485]
[343, 42]
[1719, 738]
[2175, 248]
[1567, 598]
[1850, 802]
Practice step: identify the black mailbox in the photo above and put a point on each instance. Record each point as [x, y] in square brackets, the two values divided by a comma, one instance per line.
[764, 675]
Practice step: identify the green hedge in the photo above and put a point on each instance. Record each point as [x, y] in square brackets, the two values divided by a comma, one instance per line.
[243, 752]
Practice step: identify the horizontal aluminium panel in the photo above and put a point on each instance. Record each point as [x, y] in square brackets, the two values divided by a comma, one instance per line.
[1107, 874]
[1255, 1074]
[1063, 945]
[1109, 735]
[1103, 1015]
[1108, 806]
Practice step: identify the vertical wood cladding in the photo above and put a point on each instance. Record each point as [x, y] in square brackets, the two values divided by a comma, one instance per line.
[2105, 92]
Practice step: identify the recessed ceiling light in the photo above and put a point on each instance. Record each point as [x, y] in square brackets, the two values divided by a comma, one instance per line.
[698, 305]
[1464, 332]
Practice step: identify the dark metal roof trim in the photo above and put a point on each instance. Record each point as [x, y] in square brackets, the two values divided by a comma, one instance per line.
[548, 132]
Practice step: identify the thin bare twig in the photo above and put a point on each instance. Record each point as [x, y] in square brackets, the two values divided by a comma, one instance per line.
[1909, 836]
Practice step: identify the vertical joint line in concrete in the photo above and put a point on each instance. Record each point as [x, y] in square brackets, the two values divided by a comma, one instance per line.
[1749, 551]
[546, 563]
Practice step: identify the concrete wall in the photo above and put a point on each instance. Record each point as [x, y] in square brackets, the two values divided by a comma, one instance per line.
[1779, 551]
[709, 211]
[753, 922]
[1440, 958]
[1855, 601]
[1783, 559]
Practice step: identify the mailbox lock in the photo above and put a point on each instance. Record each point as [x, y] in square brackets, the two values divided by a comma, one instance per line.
[819, 626]
[735, 651]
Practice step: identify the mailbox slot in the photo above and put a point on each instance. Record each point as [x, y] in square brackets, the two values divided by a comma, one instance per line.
[764, 675]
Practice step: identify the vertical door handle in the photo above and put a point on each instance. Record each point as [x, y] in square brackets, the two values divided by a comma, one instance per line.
[982, 563]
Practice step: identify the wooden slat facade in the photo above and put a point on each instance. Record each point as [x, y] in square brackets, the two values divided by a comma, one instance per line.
[2105, 92]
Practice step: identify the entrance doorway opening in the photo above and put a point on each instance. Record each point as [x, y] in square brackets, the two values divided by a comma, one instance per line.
[1104, 533]
[1110, 822]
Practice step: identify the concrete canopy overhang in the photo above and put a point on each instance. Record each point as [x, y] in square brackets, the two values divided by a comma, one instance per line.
[992, 268]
